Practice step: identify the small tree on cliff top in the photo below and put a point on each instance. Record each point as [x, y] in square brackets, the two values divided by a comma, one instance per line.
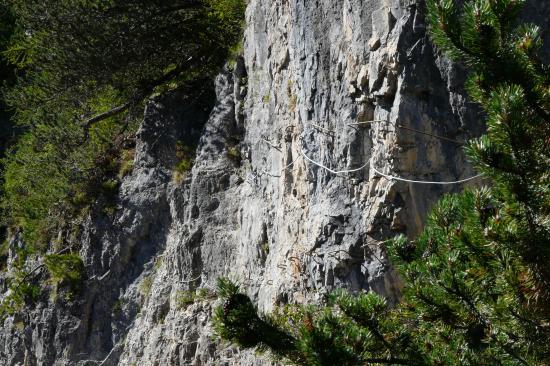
[478, 278]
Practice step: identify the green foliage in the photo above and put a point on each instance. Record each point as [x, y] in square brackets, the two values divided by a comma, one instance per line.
[146, 283]
[4, 249]
[234, 154]
[186, 298]
[7, 71]
[186, 157]
[19, 296]
[126, 163]
[464, 281]
[234, 53]
[512, 84]
[237, 321]
[145, 286]
[52, 175]
[109, 190]
[117, 307]
[131, 47]
[65, 270]
[21, 289]
[478, 278]
[8, 131]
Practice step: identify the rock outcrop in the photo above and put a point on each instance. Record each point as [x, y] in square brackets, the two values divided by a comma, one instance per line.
[285, 194]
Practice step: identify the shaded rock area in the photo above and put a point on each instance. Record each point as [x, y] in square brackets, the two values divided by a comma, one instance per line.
[283, 195]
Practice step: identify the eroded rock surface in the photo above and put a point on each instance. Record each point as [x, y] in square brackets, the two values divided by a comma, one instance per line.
[283, 195]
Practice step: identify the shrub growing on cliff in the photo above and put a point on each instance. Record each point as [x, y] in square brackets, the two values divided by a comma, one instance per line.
[65, 270]
[478, 278]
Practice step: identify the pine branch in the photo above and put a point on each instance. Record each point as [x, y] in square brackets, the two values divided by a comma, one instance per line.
[110, 113]
[140, 95]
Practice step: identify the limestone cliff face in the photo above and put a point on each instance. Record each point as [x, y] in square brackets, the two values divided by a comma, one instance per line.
[255, 207]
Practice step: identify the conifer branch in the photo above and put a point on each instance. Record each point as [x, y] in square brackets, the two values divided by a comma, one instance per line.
[140, 95]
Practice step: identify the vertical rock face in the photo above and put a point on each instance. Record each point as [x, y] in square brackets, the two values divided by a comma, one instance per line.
[284, 195]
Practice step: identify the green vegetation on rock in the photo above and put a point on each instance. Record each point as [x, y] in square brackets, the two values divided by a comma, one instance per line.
[185, 157]
[65, 270]
[186, 298]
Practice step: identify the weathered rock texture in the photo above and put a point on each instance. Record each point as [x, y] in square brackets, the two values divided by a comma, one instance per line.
[253, 207]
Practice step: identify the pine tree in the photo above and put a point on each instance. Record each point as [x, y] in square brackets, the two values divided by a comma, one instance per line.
[76, 51]
[7, 76]
[478, 277]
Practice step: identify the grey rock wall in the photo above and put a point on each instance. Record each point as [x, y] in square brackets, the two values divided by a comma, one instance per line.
[257, 206]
